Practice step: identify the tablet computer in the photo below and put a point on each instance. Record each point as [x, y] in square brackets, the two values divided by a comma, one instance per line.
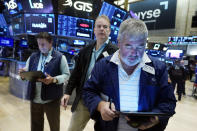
[32, 75]
[136, 113]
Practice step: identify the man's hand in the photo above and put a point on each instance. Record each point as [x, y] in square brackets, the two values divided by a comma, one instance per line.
[20, 71]
[152, 122]
[64, 100]
[107, 114]
[48, 80]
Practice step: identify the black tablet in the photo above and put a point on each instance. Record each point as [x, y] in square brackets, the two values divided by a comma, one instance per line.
[32, 75]
[135, 113]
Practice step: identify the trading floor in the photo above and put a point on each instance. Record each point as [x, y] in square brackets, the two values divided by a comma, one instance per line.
[15, 115]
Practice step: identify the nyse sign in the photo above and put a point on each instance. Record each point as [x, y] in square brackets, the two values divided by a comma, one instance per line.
[157, 14]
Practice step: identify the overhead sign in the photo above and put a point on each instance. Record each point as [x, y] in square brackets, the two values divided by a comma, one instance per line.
[11, 5]
[157, 14]
[79, 8]
[37, 6]
[79, 5]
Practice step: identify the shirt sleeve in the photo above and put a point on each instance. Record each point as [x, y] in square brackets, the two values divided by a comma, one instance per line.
[65, 73]
[26, 68]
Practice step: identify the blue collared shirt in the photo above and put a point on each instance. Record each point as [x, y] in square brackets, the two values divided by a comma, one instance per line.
[95, 55]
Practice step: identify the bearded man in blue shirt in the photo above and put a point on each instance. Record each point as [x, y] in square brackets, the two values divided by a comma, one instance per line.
[132, 81]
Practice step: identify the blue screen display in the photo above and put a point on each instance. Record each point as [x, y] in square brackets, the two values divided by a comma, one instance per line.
[116, 16]
[75, 27]
[79, 42]
[9, 42]
[62, 45]
[23, 43]
[36, 23]
[18, 25]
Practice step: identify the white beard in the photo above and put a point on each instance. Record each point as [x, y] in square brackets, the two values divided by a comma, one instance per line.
[125, 61]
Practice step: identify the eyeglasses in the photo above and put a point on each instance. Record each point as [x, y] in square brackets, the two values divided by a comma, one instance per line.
[138, 48]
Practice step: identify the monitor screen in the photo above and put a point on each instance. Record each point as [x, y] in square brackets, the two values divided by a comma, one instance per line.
[79, 42]
[8, 42]
[191, 50]
[116, 16]
[62, 45]
[37, 6]
[23, 43]
[194, 39]
[75, 27]
[174, 54]
[18, 25]
[36, 23]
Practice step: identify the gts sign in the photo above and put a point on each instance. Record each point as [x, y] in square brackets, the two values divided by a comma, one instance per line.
[79, 5]
[148, 14]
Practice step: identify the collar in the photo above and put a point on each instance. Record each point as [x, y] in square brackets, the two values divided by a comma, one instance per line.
[105, 43]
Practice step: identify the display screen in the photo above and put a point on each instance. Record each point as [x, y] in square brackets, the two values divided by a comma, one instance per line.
[116, 16]
[6, 42]
[37, 6]
[79, 42]
[18, 25]
[88, 9]
[23, 43]
[75, 27]
[174, 53]
[182, 40]
[62, 45]
[156, 46]
[36, 23]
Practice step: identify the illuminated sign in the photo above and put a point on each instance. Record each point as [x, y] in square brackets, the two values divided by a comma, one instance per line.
[11, 5]
[36, 23]
[79, 5]
[36, 5]
[157, 14]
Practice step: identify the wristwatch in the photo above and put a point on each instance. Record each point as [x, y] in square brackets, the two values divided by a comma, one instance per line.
[55, 80]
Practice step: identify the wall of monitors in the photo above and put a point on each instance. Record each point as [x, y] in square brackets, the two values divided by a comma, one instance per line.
[75, 27]
[182, 40]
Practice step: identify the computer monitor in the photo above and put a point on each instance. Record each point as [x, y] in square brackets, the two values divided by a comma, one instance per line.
[36, 23]
[116, 16]
[79, 42]
[23, 43]
[75, 27]
[6, 42]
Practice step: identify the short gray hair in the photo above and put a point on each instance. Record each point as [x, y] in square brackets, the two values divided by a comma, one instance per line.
[133, 28]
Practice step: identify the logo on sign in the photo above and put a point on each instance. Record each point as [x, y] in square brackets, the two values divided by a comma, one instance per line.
[39, 25]
[36, 5]
[68, 3]
[11, 4]
[79, 5]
